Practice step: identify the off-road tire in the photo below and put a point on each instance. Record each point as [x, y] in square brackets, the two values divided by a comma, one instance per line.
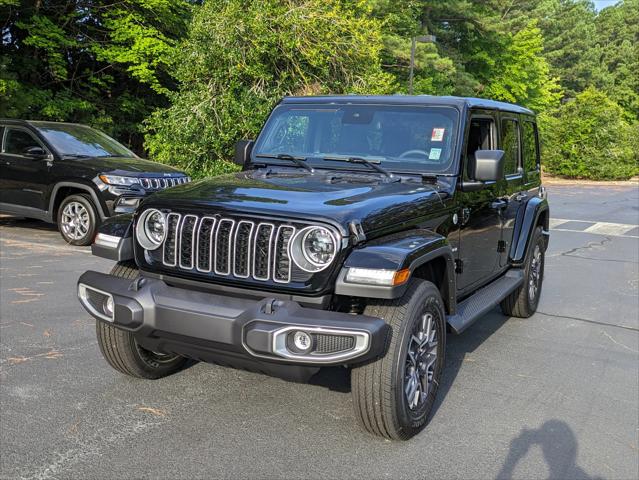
[93, 220]
[123, 353]
[378, 388]
[520, 303]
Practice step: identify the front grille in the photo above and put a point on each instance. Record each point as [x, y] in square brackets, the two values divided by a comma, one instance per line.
[333, 343]
[159, 183]
[228, 247]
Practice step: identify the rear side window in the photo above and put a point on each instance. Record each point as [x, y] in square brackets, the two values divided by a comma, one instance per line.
[18, 141]
[510, 146]
[531, 146]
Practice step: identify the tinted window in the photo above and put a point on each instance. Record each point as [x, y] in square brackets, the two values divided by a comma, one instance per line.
[18, 141]
[480, 137]
[531, 147]
[510, 146]
[80, 140]
[400, 138]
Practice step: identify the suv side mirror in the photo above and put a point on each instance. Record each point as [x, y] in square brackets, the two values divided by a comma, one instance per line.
[488, 166]
[36, 153]
[243, 150]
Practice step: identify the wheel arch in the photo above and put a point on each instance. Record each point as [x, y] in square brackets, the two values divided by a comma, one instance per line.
[61, 190]
[426, 254]
[536, 213]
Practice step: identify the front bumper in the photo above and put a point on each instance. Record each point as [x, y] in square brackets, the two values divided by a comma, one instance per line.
[227, 329]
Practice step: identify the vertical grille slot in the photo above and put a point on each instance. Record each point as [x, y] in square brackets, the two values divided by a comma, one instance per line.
[262, 251]
[282, 260]
[204, 244]
[242, 249]
[223, 246]
[187, 241]
[169, 253]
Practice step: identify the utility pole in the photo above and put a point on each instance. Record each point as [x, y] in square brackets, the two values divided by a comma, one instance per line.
[413, 44]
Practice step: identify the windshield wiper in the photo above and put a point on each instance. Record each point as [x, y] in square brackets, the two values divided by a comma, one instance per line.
[299, 161]
[75, 155]
[362, 161]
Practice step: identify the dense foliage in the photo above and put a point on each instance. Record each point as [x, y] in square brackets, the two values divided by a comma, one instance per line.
[589, 137]
[194, 76]
[92, 61]
[241, 57]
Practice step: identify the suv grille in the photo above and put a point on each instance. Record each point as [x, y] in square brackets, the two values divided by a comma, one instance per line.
[159, 183]
[228, 247]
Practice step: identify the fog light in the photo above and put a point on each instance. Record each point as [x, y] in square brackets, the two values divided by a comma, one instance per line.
[107, 306]
[299, 342]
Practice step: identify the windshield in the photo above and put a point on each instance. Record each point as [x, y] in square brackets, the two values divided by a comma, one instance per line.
[396, 137]
[81, 141]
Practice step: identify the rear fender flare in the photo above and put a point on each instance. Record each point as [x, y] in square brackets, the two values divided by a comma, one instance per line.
[526, 222]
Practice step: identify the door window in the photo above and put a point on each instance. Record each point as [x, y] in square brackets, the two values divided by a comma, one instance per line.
[531, 146]
[17, 142]
[480, 137]
[510, 145]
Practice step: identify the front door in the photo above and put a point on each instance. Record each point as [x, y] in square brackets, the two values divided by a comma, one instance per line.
[24, 179]
[480, 214]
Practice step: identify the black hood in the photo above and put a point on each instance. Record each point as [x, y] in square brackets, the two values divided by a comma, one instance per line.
[128, 166]
[337, 197]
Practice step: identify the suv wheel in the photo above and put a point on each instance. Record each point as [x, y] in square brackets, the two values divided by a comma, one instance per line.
[77, 220]
[394, 395]
[124, 354]
[523, 301]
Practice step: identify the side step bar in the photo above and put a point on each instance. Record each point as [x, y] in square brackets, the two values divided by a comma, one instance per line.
[484, 299]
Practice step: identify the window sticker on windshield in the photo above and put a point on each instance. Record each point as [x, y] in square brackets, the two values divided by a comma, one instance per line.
[435, 153]
[437, 135]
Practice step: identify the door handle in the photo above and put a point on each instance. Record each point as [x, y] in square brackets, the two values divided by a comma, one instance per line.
[499, 204]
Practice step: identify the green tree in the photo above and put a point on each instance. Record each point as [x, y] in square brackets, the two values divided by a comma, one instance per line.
[618, 32]
[522, 75]
[588, 137]
[242, 56]
[90, 61]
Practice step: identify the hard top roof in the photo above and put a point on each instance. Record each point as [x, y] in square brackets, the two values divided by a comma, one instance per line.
[460, 102]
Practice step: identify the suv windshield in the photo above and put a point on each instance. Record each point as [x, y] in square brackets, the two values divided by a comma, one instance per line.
[82, 141]
[396, 137]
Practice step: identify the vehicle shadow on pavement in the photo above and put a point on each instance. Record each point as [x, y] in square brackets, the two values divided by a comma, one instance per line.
[21, 222]
[559, 446]
[459, 346]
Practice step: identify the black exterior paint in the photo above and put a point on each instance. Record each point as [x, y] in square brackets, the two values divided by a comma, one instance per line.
[404, 221]
[31, 187]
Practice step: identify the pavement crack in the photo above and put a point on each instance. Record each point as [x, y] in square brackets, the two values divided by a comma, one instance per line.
[594, 322]
[587, 247]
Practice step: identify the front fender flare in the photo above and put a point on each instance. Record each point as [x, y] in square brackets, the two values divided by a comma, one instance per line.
[411, 250]
[115, 239]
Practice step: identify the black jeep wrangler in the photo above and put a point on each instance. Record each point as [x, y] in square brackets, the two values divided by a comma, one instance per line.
[73, 175]
[358, 232]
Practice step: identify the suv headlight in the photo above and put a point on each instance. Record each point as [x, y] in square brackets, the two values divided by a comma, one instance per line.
[150, 230]
[313, 248]
[119, 180]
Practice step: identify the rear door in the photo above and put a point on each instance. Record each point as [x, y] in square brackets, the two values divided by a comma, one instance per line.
[511, 192]
[25, 179]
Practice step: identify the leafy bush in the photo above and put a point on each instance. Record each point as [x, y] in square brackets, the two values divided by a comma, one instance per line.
[589, 137]
[241, 57]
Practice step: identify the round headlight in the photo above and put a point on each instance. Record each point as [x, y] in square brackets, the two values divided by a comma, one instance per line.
[151, 229]
[314, 248]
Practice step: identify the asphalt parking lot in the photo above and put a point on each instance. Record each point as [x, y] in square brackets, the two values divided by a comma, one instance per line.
[553, 396]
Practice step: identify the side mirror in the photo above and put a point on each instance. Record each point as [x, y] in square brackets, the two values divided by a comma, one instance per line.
[36, 153]
[243, 150]
[488, 166]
